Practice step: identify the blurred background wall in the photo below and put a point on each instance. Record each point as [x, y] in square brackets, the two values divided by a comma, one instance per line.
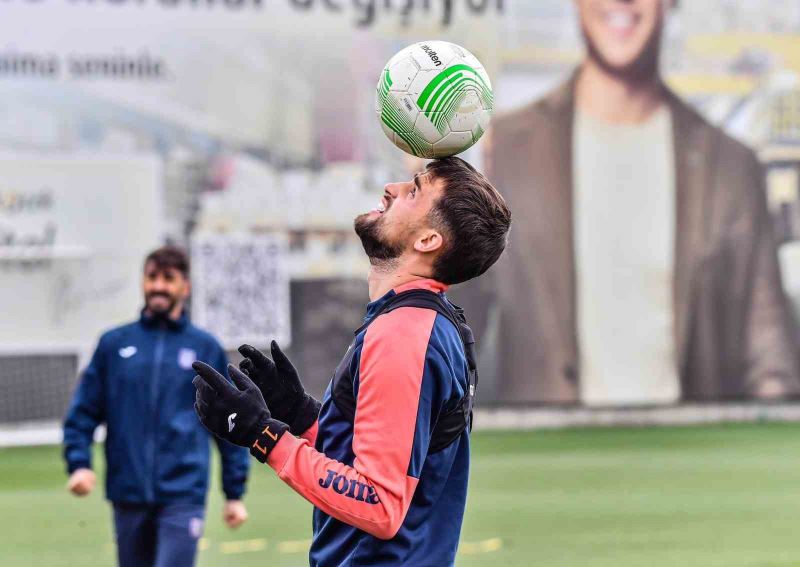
[245, 130]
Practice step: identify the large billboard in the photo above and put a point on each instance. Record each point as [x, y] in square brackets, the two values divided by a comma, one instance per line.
[257, 118]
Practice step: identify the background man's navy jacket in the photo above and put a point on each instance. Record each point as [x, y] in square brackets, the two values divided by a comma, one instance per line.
[139, 383]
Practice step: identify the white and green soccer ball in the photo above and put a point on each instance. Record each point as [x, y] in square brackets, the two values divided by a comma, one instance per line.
[434, 99]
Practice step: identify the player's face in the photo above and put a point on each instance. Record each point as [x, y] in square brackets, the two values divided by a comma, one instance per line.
[165, 290]
[623, 36]
[391, 228]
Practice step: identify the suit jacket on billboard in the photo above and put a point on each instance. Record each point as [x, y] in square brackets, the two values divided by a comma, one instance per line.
[732, 328]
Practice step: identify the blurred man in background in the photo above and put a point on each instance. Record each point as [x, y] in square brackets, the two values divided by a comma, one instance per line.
[139, 383]
[642, 269]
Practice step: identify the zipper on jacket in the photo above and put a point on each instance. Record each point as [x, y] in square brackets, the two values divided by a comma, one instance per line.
[154, 383]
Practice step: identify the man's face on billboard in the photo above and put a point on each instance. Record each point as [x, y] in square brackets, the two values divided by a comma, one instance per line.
[623, 36]
[393, 226]
[165, 289]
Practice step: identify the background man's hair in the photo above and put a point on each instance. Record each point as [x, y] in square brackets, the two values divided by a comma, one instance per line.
[169, 257]
[474, 220]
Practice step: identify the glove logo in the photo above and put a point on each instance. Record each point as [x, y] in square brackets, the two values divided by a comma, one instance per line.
[231, 424]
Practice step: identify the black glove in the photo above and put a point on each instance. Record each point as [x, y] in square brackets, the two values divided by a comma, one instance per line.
[237, 414]
[281, 387]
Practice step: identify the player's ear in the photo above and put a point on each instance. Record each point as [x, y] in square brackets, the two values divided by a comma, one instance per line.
[429, 240]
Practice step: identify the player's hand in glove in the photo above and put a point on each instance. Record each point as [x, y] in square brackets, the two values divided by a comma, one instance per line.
[281, 387]
[235, 412]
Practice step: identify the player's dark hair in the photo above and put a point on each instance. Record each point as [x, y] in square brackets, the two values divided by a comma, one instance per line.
[168, 257]
[474, 220]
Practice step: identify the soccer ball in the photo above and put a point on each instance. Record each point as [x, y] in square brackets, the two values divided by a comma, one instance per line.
[434, 99]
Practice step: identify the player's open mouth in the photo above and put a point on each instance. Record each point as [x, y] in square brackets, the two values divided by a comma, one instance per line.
[383, 205]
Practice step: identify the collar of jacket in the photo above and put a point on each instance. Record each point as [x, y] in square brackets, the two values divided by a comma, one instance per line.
[424, 283]
[151, 321]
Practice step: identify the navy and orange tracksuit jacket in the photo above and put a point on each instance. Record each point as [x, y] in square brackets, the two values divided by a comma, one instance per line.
[380, 498]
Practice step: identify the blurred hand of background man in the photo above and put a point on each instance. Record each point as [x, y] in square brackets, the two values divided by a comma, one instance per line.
[234, 513]
[81, 482]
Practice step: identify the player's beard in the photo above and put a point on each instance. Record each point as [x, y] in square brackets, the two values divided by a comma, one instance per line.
[379, 250]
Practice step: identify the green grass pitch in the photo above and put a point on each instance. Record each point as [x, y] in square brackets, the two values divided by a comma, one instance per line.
[724, 496]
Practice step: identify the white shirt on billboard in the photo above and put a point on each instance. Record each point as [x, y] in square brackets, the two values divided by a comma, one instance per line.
[624, 211]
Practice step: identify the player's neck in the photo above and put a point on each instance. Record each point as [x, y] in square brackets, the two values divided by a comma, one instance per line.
[617, 99]
[381, 280]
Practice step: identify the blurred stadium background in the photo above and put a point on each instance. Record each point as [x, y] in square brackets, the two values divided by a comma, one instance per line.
[246, 129]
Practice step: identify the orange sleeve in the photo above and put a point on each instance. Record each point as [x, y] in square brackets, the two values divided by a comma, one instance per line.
[375, 493]
[310, 434]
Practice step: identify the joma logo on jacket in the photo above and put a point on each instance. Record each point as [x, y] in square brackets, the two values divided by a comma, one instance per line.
[350, 488]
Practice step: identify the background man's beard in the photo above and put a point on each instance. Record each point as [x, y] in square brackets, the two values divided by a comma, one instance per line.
[159, 311]
[378, 250]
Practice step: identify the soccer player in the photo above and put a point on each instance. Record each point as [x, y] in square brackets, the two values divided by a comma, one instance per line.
[385, 457]
[139, 384]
